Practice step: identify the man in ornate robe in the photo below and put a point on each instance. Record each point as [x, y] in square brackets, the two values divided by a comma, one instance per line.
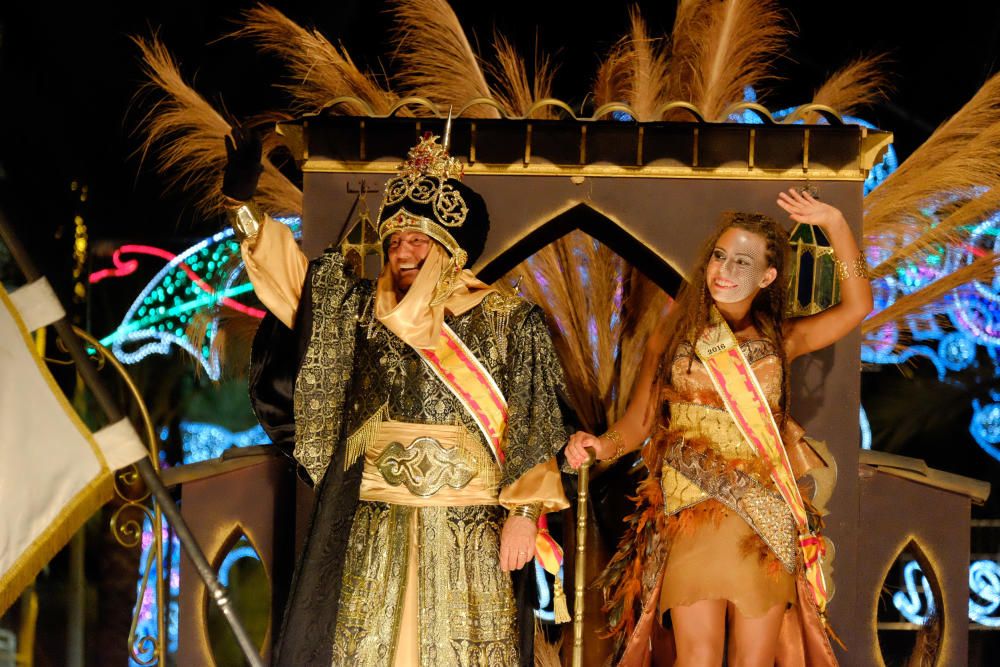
[423, 406]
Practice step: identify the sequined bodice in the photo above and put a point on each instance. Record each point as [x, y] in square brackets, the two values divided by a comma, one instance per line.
[690, 381]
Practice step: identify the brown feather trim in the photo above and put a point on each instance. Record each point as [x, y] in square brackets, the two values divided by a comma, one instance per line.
[687, 521]
[752, 546]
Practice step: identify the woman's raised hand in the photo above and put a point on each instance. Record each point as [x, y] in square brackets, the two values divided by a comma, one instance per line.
[579, 442]
[803, 207]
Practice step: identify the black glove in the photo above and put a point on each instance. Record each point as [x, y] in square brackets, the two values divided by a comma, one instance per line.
[243, 167]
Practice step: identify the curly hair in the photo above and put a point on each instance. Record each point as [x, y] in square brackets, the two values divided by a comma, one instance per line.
[690, 313]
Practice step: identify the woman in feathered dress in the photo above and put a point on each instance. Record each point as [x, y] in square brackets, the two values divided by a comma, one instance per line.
[719, 539]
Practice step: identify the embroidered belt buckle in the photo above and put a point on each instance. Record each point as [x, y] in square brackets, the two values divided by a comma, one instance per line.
[424, 467]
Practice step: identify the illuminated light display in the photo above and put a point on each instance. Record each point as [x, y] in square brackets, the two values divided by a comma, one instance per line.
[984, 582]
[866, 430]
[155, 323]
[985, 426]
[199, 442]
[146, 622]
[203, 442]
[957, 351]
[916, 602]
[127, 267]
[242, 550]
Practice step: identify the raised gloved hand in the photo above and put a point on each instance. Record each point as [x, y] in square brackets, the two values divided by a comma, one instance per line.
[243, 167]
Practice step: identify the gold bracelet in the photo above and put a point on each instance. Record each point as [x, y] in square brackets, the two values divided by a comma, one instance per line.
[615, 438]
[861, 267]
[858, 268]
[530, 511]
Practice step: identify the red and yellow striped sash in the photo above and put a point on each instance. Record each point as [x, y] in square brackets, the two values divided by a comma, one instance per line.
[459, 369]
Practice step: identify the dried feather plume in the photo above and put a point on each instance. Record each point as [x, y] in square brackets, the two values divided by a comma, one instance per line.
[514, 89]
[634, 72]
[232, 341]
[860, 83]
[187, 134]
[435, 59]
[983, 268]
[933, 202]
[546, 654]
[320, 72]
[584, 287]
[732, 45]
[680, 69]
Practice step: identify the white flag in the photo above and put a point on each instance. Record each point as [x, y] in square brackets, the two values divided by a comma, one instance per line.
[54, 473]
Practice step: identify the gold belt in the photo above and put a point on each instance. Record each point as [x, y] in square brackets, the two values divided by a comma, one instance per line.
[425, 465]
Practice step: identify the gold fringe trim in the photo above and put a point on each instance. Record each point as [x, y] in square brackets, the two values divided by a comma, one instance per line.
[482, 460]
[363, 438]
[559, 602]
[90, 499]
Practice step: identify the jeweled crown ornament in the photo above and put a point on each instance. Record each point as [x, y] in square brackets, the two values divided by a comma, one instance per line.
[428, 158]
[425, 178]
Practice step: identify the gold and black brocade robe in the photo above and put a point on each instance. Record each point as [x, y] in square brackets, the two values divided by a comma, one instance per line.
[346, 593]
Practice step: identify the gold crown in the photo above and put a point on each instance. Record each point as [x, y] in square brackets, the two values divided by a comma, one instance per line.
[429, 158]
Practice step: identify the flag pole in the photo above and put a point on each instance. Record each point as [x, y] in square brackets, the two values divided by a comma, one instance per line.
[78, 352]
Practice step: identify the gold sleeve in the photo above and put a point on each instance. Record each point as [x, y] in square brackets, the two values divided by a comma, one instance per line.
[277, 268]
[541, 484]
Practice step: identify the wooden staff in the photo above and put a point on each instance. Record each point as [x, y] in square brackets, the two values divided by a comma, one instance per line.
[580, 582]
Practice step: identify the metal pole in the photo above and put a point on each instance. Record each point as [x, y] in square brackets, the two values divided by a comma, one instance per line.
[580, 571]
[78, 353]
[77, 602]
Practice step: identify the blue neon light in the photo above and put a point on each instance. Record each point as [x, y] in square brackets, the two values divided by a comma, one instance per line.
[203, 442]
[916, 602]
[866, 430]
[238, 553]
